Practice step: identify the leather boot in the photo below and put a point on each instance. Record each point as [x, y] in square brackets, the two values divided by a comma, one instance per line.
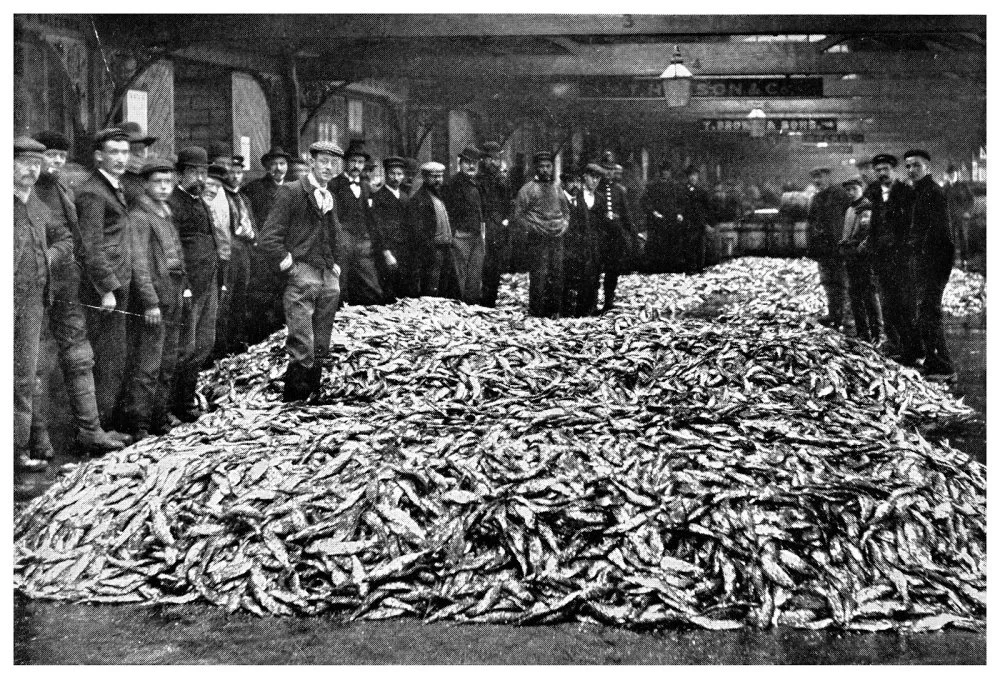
[315, 379]
[296, 383]
[41, 446]
[23, 462]
[97, 442]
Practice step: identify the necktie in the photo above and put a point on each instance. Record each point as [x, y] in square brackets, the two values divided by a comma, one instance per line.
[120, 194]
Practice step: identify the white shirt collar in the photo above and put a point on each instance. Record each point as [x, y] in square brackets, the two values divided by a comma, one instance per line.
[395, 192]
[313, 181]
[115, 181]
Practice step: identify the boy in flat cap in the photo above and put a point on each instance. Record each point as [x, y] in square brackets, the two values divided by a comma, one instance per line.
[861, 286]
[36, 249]
[66, 321]
[542, 209]
[464, 201]
[160, 284]
[498, 200]
[932, 254]
[102, 207]
[300, 238]
[388, 206]
[826, 224]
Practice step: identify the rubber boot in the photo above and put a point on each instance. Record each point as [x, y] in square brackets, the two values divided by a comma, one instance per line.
[296, 383]
[315, 380]
[97, 442]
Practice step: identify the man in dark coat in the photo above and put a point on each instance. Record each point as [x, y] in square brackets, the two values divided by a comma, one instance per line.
[428, 230]
[66, 322]
[201, 262]
[360, 243]
[932, 253]
[262, 191]
[37, 248]
[101, 208]
[580, 256]
[697, 211]
[464, 201]
[612, 218]
[826, 224]
[662, 206]
[892, 203]
[497, 198]
[388, 206]
[960, 203]
[861, 286]
[300, 238]
[138, 148]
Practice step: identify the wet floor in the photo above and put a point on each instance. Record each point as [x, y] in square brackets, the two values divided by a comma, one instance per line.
[50, 633]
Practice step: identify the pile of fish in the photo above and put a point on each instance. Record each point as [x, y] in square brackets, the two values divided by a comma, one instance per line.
[467, 464]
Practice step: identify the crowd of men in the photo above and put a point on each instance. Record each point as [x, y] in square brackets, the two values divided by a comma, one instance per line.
[151, 268]
[888, 249]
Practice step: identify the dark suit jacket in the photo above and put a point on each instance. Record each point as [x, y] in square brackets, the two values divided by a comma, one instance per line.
[54, 193]
[388, 212]
[614, 194]
[355, 214]
[498, 199]
[153, 236]
[890, 218]
[826, 220]
[420, 224]
[261, 193]
[930, 239]
[296, 225]
[44, 234]
[194, 225]
[464, 201]
[107, 244]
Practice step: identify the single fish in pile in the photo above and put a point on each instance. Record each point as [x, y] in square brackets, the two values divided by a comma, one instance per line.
[474, 465]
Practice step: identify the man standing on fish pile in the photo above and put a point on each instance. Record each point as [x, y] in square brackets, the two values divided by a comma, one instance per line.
[826, 224]
[301, 238]
[860, 277]
[615, 230]
[464, 201]
[497, 200]
[542, 209]
[892, 202]
[66, 321]
[40, 243]
[932, 252]
[428, 229]
[580, 248]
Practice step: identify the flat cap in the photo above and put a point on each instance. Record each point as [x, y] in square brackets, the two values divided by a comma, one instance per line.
[595, 170]
[53, 141]
[27, 147]
[272, 153]
[492, 149]
[357, 148]
[394, 162]
[816, 172]
[541, 156]
[885, 158]
[331, 148]
[136, 135]
[115, 134]
[155, 164]
[192, 156]
[857, 180]
[917, 153]
[432, 166]
[471, 153]
[219, 172]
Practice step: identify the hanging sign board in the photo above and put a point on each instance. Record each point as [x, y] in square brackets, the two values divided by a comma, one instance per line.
[621, 88]
[770, 124]
[841, 138]
[758, 88]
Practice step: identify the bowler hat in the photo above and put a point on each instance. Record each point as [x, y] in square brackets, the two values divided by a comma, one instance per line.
[357, 148]
[219, 172]
[888, 158]
[27, 147]
[394, 162]
[192, 156]
[135, 133]
[917, 153]
[219, 149]
[53, 141]
[274, 152]
[115, 134]
[471, 153]
[541, 156]
[316, 148]
[492, 149]
[155, 164]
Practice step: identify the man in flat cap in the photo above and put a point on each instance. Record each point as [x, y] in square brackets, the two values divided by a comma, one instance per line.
[464, 201]
[193, 220]
[542, 209]
[160, 285]
[388, 206]
[428, 228]
[961, 200]
[139, 143]
[931, 249]
[612, 216]
[219, 208]
[861, 286]
[892, 202]
[300, 238]
[661, 204]
[360, 238]
[66, 322]
[580, 256]
[39, 244]
[101, 208]
[826, 225]
[497, 199]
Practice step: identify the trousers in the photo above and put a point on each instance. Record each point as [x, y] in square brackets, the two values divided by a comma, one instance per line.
[833, 279]
[545, 278]
[895, 282]
[108, 337]
[196, 341]
[496, 260]
[311, 297]
[28, 314]
[931, 280]
[359, 284]
[468, 250]
[863, 293]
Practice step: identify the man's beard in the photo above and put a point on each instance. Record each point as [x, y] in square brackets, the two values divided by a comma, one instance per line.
[544, 178]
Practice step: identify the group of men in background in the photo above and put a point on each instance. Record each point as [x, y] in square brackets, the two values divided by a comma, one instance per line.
[890, 246]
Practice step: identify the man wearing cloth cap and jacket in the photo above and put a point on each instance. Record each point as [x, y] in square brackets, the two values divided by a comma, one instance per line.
[428, 229]
[497, 201]
[36, 251]
[360, 239]
[300, 238]
[826, 226]
[543, 209]
[615, 229]
[101, 208]
[66, 322]
[388, 206]
[138, 146]
[464, 202]
[931, 248]
[860, 277]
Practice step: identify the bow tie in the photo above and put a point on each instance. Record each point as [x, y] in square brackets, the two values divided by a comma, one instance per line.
[356, 182]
